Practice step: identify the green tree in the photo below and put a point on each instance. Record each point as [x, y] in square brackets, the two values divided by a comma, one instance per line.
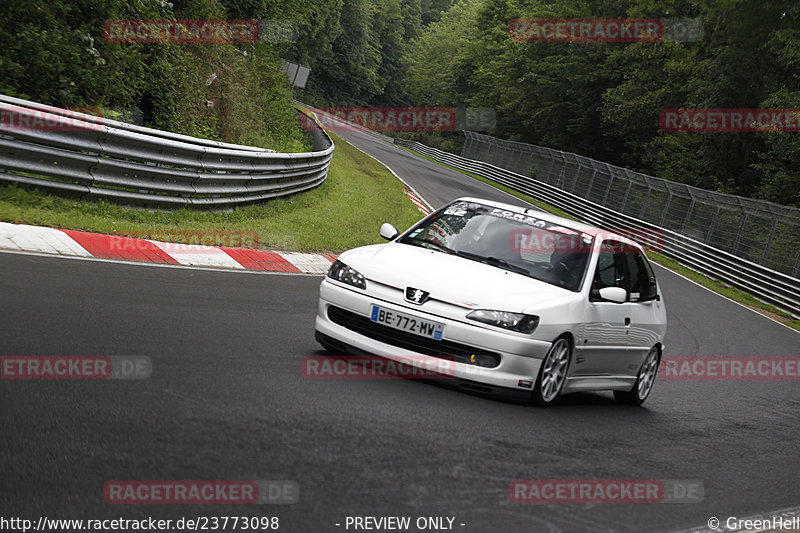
[314, 47]
[435, 61]
[388, 24]
[349, 75]
[776, 159]
[55, 52]
[432, 10]
[604, 99]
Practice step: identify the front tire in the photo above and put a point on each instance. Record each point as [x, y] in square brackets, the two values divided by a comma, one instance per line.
[553, 373]
[644, 380]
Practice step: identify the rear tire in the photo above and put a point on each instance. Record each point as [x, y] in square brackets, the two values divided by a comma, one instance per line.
[644, 380]
[553, 373]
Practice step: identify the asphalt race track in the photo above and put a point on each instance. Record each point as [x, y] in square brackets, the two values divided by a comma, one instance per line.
[227, 401]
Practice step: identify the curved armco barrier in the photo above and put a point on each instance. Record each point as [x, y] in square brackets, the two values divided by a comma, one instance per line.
[776, 288]
[69, 152]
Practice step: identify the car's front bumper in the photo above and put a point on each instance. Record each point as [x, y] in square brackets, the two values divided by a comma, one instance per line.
[520, 356]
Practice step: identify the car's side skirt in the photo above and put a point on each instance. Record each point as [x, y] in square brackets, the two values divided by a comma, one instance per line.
[585, 383]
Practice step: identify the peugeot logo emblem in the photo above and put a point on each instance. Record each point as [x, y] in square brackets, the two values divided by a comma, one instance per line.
[416, 296]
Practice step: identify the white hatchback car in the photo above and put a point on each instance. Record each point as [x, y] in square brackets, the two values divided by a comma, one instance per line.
[520, 301]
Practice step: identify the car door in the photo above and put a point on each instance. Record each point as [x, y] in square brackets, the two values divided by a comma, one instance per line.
[603, 350]
[648, 320]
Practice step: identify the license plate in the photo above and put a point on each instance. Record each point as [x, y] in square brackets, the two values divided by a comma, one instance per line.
[404, 322]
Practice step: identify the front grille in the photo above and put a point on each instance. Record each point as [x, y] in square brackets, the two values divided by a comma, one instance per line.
[445, 349]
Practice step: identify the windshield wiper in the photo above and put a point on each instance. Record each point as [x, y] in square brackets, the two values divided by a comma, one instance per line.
[508, 266]
[439, 246]
[494, 261]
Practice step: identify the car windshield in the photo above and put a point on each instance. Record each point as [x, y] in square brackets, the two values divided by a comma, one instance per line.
[520, 243]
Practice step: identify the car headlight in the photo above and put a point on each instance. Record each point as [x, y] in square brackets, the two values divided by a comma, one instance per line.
[503, 319]
[341, 272]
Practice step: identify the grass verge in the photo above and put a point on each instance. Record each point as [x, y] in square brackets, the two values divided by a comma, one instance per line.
[344, 212]
[717, 286]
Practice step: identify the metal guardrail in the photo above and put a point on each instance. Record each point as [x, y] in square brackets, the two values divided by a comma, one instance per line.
[776, 288]
[68, 152]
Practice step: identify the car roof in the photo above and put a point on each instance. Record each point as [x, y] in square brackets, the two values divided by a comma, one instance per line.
[548, 217]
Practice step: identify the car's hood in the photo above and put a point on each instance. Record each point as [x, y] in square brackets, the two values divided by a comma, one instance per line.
[450, 278]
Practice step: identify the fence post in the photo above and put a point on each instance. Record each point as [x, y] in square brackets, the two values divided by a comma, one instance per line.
[713, 224]
[739, 235]
[796, 269]
[552, 164]
[577, 175]
[625, 198]
[591, 181]
[666, 208]
[611, 179]
[688, 214]
[646, 200]
[769, 241]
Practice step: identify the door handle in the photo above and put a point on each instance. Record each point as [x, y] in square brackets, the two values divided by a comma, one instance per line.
[627, 321]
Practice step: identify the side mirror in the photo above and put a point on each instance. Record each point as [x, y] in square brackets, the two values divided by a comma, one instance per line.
[388, 231]
[614, 294]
